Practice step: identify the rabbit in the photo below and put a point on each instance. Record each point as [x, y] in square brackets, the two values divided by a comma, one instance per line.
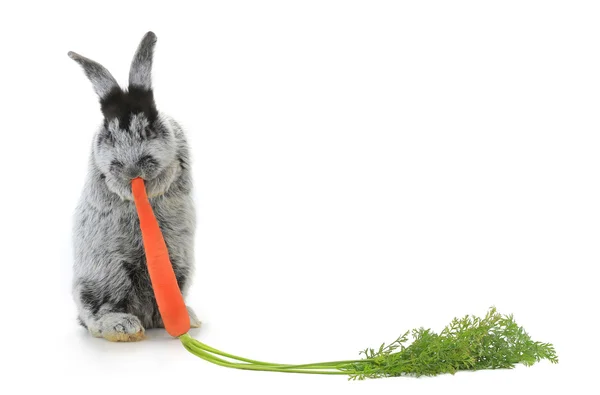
[111, 286]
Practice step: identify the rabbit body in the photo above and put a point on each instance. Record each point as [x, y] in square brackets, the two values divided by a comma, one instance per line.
[111, 286]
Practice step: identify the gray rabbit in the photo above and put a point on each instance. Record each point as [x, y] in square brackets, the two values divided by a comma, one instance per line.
[111, 286]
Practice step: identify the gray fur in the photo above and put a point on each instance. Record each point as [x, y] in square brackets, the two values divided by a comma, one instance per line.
[101, 79]
[111, 286]
[141, 66]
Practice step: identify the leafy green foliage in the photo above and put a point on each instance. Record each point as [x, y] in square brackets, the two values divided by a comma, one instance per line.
[469, 343]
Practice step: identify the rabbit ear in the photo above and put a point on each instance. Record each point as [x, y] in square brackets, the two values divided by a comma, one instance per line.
[141, 66]
[101, 78]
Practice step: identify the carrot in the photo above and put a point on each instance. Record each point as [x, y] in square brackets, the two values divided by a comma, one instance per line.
[166, 290]
[465, 344]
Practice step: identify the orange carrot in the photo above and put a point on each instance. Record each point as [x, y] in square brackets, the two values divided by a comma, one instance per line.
[168, 295]
[383, 363]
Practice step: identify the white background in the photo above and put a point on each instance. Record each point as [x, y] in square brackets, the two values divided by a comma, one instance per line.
[361, 168]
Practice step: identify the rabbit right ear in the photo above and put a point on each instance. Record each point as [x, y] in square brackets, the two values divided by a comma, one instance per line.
[141, 66]
[104, 83]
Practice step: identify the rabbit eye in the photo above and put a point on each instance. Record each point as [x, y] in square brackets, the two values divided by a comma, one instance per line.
[147, 161]
[115, 166]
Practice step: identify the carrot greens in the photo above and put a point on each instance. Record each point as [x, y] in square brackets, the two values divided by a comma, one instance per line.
[468, 343]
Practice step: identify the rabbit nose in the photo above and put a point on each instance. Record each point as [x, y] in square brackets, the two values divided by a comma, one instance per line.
[132, 172]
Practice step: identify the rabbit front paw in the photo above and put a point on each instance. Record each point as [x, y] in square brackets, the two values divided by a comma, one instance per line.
[118, 327]
[194, 321]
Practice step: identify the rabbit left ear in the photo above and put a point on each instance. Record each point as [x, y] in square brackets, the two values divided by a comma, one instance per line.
[102, 80]
[141, 66]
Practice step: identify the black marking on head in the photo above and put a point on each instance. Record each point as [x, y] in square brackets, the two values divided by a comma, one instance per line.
[121, 105]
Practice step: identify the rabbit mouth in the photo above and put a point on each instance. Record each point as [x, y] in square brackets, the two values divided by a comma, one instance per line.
[156, 184]
[122, 188]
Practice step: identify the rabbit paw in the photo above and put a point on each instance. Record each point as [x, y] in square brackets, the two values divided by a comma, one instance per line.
[119, 327]
[194, 321]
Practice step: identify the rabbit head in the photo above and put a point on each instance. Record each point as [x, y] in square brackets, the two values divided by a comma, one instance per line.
[134, 139]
